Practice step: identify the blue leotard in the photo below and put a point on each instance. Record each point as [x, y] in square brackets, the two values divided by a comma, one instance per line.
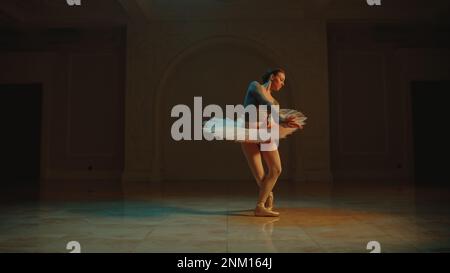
[256, 97]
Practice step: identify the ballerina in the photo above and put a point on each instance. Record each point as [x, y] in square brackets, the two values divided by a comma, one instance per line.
[288, 122]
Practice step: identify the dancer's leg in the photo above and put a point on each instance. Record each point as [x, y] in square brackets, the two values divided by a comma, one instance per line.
[253, 155]
[273, 162]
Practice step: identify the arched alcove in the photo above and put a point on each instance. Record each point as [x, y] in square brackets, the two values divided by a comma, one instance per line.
[219, 70]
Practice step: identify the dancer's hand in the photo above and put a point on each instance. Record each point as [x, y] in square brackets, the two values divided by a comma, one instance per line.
[295, 125]
[290, 121]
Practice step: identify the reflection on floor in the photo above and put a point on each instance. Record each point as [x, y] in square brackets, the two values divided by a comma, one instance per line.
[207, 222]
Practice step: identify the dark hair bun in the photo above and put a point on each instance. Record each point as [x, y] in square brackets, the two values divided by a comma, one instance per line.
[271, 72]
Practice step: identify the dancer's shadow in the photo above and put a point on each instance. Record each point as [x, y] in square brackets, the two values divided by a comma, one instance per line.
[246, 213]
[146, 209]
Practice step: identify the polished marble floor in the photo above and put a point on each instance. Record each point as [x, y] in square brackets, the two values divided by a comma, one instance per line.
[189, 220]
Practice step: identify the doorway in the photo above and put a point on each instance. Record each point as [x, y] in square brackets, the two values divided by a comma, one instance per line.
[20, 141]
[431, 136]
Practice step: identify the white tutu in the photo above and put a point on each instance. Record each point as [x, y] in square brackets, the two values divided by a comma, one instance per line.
[240, 131]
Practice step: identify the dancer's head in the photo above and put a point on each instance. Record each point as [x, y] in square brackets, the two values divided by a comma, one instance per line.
[276, 77]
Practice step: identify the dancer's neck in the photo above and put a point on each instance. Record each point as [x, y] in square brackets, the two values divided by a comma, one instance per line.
[267, 87]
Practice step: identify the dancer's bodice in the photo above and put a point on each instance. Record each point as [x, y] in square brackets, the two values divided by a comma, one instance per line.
[255, 96]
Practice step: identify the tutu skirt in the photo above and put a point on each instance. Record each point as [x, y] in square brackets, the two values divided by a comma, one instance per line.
[247, 132]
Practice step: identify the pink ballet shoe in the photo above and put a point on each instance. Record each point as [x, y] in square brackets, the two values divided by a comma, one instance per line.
[263, 212]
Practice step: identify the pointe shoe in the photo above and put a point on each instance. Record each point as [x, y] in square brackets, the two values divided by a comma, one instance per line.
[262, 211]
[269, 202]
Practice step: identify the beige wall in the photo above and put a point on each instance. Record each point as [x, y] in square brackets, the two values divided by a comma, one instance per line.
[371, 70]
[214, 49]
[83, 95]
